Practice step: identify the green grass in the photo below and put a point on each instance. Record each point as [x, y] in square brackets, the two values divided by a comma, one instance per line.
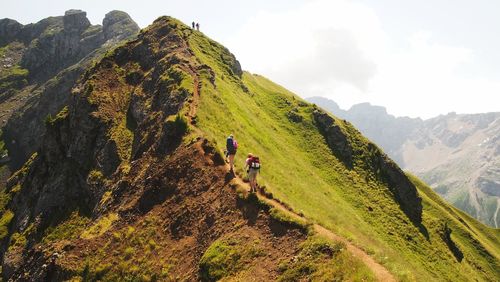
[14, 76]
[4, 223]
[4, 200]
[128, 254]
[321, 260]
[100, 227]
[300, 169]
[69, 229]
[23, 171]
[3, 149]
[225, 257]
[287, 219]
[50, 120]
[19, 240]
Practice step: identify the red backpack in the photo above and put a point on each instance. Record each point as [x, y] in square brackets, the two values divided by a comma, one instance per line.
[255, 163]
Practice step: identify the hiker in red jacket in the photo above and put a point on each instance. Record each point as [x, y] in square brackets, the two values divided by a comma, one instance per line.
[253, 167]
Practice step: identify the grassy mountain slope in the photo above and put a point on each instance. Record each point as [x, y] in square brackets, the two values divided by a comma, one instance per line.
[300, 169]
[126, 175]
[124, 189]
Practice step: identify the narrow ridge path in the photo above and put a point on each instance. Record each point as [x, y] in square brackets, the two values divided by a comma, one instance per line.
[380, 272]
[196, 95]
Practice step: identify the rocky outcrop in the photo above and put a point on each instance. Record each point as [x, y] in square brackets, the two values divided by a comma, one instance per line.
[387, 131]
[118, 25]
[9, 29]
[63, 44]
[335, 138]
[236, 66]
[25, 130]
[403, 189]
[377, 163]
[75, 21]
[231, 63]
[58, 51]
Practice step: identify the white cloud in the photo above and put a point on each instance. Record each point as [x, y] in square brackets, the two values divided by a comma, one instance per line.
[338, 49]
[313, 49]
[423, 80]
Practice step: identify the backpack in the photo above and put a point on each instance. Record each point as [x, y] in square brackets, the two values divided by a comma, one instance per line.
[230, 145]
[255, 163]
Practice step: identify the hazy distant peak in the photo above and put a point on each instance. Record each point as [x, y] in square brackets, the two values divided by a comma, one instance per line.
[323, 101]
[369, 108]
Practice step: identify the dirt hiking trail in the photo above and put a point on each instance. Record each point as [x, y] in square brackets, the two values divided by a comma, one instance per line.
[380, 272]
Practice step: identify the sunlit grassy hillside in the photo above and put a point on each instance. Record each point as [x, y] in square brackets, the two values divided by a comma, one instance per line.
[300, 170]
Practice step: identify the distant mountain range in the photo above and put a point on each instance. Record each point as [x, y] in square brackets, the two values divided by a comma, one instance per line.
[457, 154]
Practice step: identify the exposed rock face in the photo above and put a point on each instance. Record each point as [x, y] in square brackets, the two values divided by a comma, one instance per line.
[75, 21]
[118, 25]
[9, 29]
[57, 52]
[232, 63]
[236, 67]
[25, 130]
[385, 130]
[458, 155]
[336, 139]
[403, 189]
[71, 38]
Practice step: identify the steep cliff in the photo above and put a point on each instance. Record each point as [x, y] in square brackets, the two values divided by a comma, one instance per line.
[42, 62]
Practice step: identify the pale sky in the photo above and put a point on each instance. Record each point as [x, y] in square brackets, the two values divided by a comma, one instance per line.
[416, 58]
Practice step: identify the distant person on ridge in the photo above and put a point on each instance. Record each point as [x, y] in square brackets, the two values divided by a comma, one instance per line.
[231, 148]
[198, 26]
[253, 167]
[192, 25]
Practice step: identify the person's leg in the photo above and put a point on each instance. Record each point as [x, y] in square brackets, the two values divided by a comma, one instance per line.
[231, 161]
[251, 179]
[255, 181]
